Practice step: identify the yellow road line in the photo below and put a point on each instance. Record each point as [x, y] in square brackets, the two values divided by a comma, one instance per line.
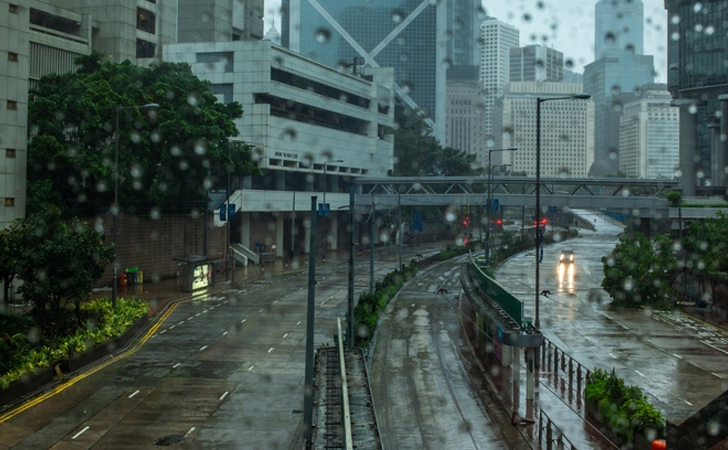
[131, 350]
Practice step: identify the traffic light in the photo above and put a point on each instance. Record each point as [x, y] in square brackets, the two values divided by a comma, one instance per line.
[466, 220]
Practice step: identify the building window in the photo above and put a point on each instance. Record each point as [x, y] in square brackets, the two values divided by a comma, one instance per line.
[13, 8]
[146, 21]
[144, 49]
[12, 56]
[10, 153]
[9, 201]
[12, 104]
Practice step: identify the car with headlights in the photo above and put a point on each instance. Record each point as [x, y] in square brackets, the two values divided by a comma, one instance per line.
[567, 257]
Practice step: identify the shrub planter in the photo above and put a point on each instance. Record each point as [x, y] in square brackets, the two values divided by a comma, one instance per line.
[638, 442]
[32, 383]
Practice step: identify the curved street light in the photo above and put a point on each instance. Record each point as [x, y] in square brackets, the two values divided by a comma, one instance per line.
[540, 100]
[115, 210]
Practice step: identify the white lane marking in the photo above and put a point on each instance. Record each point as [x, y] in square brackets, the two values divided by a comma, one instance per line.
[260, 310]
[85, 429]
[639, 373]
[205, 311]
[176, 365]
[714, 347]
[298, 323]
[180, 323]
[250, 368]
[688, 403]
[717, 375]
[134, 393]
[223, 395]
[677, 356]
[190, 432]
[270, 349]
[612, 356]
[163, 331]
[243, 321]
[285, 335]
[153, 336]
[203, 347]
[225, 333]
[198, 314]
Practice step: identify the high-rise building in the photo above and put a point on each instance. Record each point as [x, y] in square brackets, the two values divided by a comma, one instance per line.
[420, 40]
[535, 63]
[464, 110]
[649, 135]
[618, 28]
[698, 82]
[220, 20]
[620, 67]
[567, 129]
[497, 38]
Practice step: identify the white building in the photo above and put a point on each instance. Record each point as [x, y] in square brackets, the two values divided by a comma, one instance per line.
[311, 125]
[567, 129]
[649, 137]
[497, 39]
[465, 124]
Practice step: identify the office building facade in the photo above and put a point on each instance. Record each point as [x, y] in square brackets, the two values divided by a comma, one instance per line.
[535, 63]
[649, 136]
[698, 82]
[465, 122]
[567, 133]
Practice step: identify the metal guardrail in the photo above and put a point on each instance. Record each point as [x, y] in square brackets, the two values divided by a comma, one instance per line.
[504, 299]
[550, 437]
[345, 412]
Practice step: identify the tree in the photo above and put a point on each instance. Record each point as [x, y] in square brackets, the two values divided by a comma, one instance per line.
[417, 152]
[640, 272]
[9, 258]
[177, 151]
[706, 245]
[58, 262]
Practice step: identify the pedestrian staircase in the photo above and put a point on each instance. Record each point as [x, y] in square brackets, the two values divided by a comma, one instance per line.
[243, 254]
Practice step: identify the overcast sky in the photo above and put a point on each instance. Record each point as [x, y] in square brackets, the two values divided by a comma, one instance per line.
[566, 25]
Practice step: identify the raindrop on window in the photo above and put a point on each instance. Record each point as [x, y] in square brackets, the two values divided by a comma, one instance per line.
[610, 39]
[322, 35]
[397, 15]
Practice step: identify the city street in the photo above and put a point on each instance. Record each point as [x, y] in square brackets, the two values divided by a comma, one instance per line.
[221, 371]
[680, 362]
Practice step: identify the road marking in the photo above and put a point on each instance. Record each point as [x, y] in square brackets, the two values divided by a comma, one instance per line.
[176, 365]
[298, 323]
[260, 310]
[714, 347]
[243, 321]
[250, 368]
[639, 373]
[198, 314]
[688, 403]
[612, 356]
[270, 349]
[161, 332]
[85, 429]
[153, 336]
[677, 356]
[225, 333]
[203, 347]
[205, 311]
[223, 395]
[182, 322]
[134, 393]
[172, 327]
[190, 432]
[713, 373]
[285, 335]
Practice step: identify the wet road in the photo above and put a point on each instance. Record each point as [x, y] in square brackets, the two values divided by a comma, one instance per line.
[222, 371]
[421, 387]
[680, 362]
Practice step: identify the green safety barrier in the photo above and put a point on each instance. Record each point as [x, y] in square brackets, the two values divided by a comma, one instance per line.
[507, 302]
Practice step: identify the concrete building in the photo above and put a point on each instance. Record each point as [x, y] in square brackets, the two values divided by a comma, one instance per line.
[567, 129]
[698, 82]
[314, 129]
[420, 40]
[535, 63]
[465, 122]
[497, 38]
[649, 136]
[620, 67]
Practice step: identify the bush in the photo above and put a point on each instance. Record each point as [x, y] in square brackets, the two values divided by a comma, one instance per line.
[103, 324]
[623, 409]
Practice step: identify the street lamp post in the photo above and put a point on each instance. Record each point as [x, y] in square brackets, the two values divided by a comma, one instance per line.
[489, 205]
[326, 164]
[115, 210]
[540, 100]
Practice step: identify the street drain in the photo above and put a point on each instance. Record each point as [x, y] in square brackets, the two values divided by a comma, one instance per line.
[169, 440]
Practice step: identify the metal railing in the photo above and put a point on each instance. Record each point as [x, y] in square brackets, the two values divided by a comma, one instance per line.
[345, 413]
[550, 437]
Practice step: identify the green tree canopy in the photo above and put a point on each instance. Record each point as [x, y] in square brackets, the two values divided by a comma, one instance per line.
[639, 271]
[418, 153]
[706, 244]
[167, 154]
